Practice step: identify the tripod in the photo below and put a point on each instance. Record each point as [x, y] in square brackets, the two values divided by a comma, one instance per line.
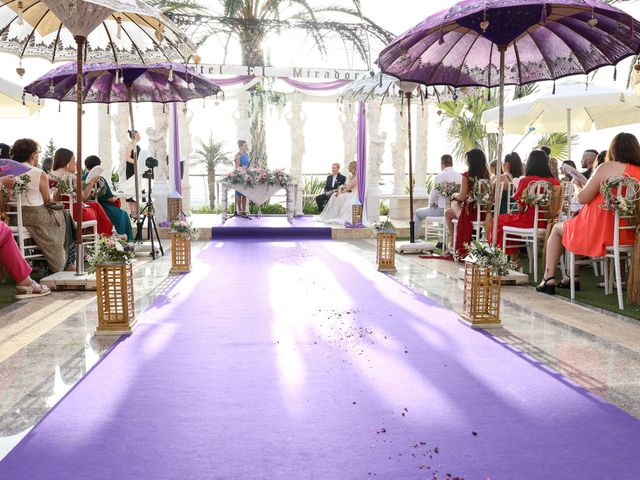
[147, 213]
[235, 210]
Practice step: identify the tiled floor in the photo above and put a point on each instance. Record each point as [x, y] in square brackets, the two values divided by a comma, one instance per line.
[47, 345]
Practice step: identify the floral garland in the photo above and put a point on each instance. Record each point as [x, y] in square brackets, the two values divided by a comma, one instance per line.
[255, 176]
[481, 191]
[620, 194]
[184, 228]
[447, 189]
[108, 250]
[540, 198]
[22, 184]
[489, 256]
[64, 187]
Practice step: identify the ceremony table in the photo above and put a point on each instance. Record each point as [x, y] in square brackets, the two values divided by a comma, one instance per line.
[259, 194]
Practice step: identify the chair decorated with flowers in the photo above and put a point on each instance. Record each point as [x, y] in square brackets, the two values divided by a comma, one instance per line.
[546, 200]
[621, 195]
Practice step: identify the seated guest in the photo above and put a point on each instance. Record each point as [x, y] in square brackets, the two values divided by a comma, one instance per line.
[537, 170]
[13, 262]
[64, 170]
[47, 163]
[339, 209]
[553, 161]
[567, 177]
[109, 202]
[334, 181]
[601, 158]
[513, 167]
[588, 161]
[5, 151]
[591, 230]
[49, 228]
[436, 201]
[462, 207]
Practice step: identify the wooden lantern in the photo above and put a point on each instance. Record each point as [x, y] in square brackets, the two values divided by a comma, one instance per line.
[356, 214]
[386, 252]
[481, 297]
[180, 253]
[116, 306]
[174, 208]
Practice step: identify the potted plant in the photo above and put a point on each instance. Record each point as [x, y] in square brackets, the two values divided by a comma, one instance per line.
[484, 265]
[386, 235]
[182, 233]
[110, 259]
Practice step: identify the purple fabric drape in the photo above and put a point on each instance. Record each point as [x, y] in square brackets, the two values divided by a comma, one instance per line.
[227, 82]
[361, 169]
[176, 148]
[313, 87]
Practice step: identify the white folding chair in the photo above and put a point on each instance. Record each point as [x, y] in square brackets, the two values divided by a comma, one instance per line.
[89, 227]
[26, 243]
[481, 209]
[531, 237]
[437, 226]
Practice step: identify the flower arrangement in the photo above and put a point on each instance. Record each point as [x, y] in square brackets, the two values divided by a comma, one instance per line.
[353, 225]
[447, 189]
[185, 228]
[254, 176]
[620, 193]
[22, 184]
[384, 227]
[481, 191]
[109, 250]
[538, 193]
[64, 187]
[489, 256]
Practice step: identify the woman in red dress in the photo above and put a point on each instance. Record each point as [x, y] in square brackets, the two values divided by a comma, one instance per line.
[537, 170]
[63, 170]
[462, 207]
[591, 230]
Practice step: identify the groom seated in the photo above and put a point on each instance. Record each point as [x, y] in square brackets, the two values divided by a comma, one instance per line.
[335, 180]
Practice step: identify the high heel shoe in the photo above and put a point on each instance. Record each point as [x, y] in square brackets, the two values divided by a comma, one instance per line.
[546, 288]
[567, 284]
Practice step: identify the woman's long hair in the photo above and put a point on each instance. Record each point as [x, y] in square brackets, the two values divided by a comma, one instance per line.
[477, 162]
[624, 148]
[61, 158]
[538, 165]
[22, 149]
[515, 164]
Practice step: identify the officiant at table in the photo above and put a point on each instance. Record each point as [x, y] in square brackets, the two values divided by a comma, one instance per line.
[334, 181]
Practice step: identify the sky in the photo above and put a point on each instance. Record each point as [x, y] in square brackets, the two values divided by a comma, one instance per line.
[323, 134]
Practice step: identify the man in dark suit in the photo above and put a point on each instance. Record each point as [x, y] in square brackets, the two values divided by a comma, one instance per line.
[333, 182]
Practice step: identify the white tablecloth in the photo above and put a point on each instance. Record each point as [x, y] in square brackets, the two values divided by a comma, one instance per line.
[259, 194]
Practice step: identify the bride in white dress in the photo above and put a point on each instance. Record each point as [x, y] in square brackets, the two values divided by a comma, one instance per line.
[338, 209]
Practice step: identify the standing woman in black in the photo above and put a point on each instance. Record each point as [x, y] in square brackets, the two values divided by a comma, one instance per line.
[130, 159]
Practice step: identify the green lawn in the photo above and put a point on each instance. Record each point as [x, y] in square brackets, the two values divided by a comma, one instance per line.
[8, 288]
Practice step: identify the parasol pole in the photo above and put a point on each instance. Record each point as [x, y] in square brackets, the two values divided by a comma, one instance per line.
[568, 134]
[412, 224]
[80, 41]
[496, 207]
[135, 156]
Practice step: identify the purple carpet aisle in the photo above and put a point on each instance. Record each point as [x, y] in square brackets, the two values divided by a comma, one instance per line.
[303, 227]
[297, 360]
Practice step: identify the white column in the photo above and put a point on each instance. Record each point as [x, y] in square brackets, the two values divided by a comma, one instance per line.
[157, 148]
[349, 134]
[399, 150]
[185, 115]
[121, 124]
[104, 142]
[398, 208]
[296, 120]
[242, 117]
[422, 133]
[375, 152]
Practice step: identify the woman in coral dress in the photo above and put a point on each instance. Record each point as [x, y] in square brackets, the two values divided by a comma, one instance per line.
[591, 230]
[537, 170]
[63, 170]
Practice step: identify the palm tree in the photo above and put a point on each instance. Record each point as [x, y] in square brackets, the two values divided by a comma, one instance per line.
[558, 144]
[212, 155]
[251, 22]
